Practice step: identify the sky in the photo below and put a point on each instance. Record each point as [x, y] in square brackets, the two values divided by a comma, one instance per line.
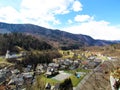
[96, 18]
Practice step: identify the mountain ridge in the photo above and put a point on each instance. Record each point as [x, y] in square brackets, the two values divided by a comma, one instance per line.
[55, 37]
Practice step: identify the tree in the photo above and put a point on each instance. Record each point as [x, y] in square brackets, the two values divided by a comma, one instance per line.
[39, 84]
[27, 42]
[35, 57]
[66, 85]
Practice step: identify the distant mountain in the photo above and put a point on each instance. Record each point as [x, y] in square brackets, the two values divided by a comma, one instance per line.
[57, 38]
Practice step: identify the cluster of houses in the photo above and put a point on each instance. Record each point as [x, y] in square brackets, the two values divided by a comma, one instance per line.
[13, 78]
[53, 68]
[91, 62]
[58, 64]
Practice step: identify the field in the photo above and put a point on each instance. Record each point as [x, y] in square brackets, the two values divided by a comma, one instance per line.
[1, 60]
[4, 63]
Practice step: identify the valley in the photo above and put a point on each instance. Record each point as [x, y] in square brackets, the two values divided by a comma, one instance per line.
[46, 59]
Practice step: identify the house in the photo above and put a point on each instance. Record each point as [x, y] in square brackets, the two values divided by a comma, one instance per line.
[73, 64]
[62, 67]
[15, 71]
[4, 74]
[23, 53]
[76, 63]
[72, 67]
[12, 81]
[71, 61]
[91, 57]
[20, 80]
[98, 60]
[7, 54]
[91, 65]
[79, 61]
[45, 66]
[28, 77]
[2, 79]
[84, 63]
[39, 69]
[55, 65]
[12, 56]
[55, 60]
[17, 81]
[51, 71]
[61, 62]
[66, 62]
[28, 68]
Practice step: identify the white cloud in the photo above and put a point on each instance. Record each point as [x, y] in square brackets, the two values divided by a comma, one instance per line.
[47, 6]
[96, 29]
[77, 6]
[9, 14]
[83, 18]
[43, 13]
[46, 9]
[70, 21]
[39, 12]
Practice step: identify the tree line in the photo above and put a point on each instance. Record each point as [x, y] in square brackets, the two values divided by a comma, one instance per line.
[35, 57]
[27, 42]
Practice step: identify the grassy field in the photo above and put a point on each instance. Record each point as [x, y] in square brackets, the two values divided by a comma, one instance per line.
[1, 59]
[77, 70]
[48, 80]
[66, 53]
[75, 80]
[82, 55]
[4, 63]
[104, 58]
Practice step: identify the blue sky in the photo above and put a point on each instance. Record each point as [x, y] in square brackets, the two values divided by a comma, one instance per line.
[97, 18]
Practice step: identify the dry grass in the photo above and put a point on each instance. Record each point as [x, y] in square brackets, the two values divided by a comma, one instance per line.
[100, 80]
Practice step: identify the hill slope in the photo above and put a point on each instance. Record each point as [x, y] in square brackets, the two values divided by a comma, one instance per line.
[26, 42]
[56, 38]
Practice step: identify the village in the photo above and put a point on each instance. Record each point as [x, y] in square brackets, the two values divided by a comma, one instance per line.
[14, 78]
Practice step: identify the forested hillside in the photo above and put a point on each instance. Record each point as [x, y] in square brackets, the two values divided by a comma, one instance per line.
[56, 38]
[12, 41]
